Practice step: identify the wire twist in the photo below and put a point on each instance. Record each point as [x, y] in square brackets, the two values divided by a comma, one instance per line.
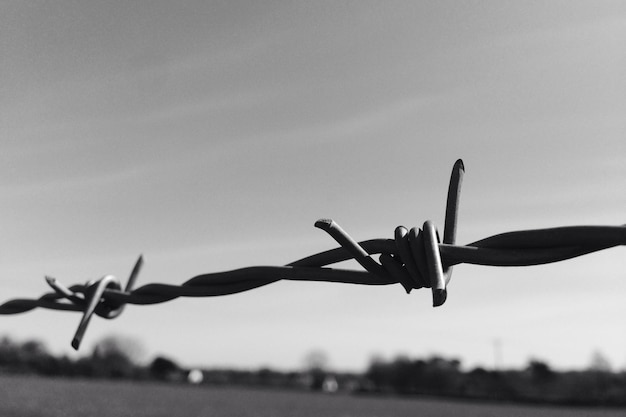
[415, 258]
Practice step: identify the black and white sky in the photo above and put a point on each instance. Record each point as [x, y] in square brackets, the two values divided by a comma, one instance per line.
[210, 135]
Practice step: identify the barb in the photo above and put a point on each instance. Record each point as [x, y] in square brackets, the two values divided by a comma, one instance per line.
[414, 258]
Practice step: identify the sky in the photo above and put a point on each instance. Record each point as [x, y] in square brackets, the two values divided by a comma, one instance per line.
[210, 136]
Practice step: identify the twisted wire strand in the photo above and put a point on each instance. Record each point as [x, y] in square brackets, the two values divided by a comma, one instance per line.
[311, 268]
[414, 258]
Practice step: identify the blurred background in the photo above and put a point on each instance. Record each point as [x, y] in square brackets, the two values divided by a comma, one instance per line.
[210, 136]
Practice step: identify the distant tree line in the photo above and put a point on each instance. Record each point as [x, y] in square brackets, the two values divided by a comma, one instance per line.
[108, 360]
[538, 383]
[434, 376]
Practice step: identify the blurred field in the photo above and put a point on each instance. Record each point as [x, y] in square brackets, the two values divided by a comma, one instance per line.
[34, 396]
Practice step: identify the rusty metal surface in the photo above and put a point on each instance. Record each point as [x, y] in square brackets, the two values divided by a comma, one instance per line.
[414, 258]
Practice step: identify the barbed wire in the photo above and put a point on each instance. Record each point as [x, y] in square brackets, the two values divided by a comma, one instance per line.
[415, 258]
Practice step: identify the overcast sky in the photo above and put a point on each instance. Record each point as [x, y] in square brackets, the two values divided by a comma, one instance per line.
[211, 135]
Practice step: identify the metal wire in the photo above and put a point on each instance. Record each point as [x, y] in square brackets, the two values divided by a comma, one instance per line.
[414, 258]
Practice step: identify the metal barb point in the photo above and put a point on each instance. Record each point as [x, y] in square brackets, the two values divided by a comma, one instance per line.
[345, 240]
[64, 291]
[134, 274]
[93, 296]
[435, 268]
[452, 211]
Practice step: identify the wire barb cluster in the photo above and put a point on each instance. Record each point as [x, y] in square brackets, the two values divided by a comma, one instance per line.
[415, 258]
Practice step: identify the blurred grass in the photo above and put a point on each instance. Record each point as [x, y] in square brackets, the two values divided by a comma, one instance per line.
[27, 396]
